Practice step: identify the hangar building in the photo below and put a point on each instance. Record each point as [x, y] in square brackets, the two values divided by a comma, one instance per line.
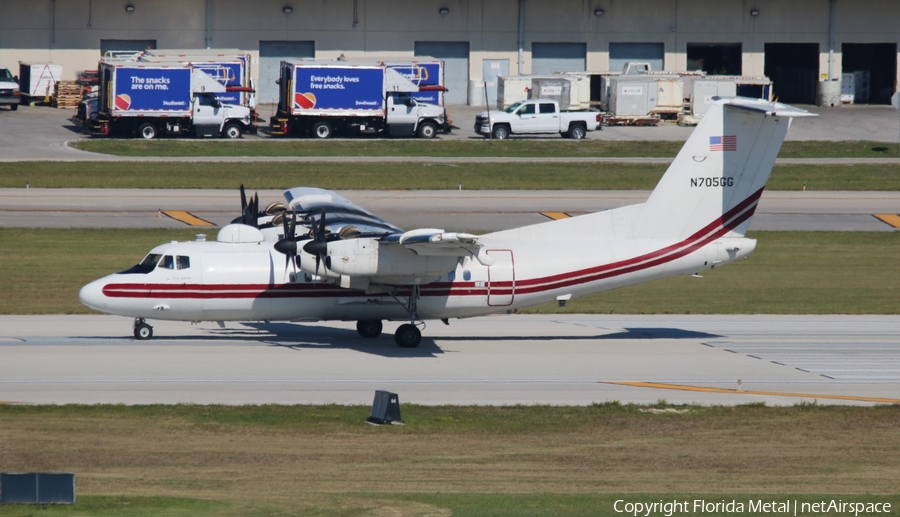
[794, 42]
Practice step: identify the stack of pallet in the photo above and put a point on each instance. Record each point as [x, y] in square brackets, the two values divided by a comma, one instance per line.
[67, 95]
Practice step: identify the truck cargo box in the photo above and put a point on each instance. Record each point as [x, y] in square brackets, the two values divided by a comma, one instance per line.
[229, 67]
[427, 75]
[146, 89]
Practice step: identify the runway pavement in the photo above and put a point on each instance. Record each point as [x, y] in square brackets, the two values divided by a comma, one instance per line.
[472, 210]
[509, 359]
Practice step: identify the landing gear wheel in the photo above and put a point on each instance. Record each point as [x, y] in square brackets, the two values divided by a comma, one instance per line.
[427, 130]
[143, 332]
[408, 336]
[369, 328]
[232, 131]
[322, 129]
[147, 131]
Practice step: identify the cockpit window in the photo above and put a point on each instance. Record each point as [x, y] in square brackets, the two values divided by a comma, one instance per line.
[167, 262]
[182, 262]
[147, 265]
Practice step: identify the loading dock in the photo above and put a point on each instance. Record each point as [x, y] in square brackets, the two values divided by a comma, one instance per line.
[794, 71]
[126, 45]
[547, 58]
[880, 60]
[271, 53]
[455, 55]
[621, 53]
[715, 58]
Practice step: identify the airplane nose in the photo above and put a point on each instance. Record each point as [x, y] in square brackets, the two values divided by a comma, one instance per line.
[92, 295]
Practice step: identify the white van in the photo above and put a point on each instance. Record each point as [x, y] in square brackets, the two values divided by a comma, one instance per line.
[9, 89]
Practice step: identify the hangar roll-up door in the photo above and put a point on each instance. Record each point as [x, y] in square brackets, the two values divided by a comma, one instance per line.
[455, 55]
[547, 58]
[271, 54]
[126, 45]
[715, 58]
[879, 60]
[622, 53]
[794, 71]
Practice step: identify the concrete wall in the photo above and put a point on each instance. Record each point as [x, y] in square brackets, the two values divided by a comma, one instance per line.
[68, 32]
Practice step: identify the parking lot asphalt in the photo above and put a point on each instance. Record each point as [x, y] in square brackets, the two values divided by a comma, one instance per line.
[42, 133]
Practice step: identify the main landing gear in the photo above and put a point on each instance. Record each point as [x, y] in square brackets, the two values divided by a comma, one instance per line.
[369, 328]
[142, 331]
[407, 335]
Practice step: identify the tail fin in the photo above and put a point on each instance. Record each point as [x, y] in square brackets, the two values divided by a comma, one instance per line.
[721, 171]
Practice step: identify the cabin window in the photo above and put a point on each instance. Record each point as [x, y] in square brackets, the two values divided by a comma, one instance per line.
[451, 276]
[167, 262]
[467, 275]
[182, 262]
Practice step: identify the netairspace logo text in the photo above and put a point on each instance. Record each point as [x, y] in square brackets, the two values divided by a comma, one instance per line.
[752, 506]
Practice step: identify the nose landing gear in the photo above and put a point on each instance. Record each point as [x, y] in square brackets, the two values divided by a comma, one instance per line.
[142, 331]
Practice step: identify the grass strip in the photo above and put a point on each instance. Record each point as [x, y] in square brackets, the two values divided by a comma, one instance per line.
[789, 273]
[465, 504]
[472, 148]
[411, 176]
[465, 461]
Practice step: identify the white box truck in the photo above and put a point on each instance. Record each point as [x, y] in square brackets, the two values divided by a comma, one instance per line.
[327, 98]
[148, 100]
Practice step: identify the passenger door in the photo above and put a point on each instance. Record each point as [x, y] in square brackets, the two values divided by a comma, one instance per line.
[402, 109]
[547, 120]
[207, 110]
[525, 120]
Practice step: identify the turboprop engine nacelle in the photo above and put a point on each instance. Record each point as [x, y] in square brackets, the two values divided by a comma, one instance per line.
[372, 258]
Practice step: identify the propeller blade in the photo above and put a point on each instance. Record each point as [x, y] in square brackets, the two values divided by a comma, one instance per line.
[243, 199]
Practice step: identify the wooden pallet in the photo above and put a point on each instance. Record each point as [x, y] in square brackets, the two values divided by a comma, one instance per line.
[67, 95]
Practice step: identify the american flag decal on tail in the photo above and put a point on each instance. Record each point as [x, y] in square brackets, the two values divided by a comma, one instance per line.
[723, 143]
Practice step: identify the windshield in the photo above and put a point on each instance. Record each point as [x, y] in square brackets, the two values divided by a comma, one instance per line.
[512, 108]
[5, 75]
[147, 265]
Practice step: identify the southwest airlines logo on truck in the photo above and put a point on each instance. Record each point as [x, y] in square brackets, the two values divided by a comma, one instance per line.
[338, 88]
[422, 74]
[226, 74]
[156, 89]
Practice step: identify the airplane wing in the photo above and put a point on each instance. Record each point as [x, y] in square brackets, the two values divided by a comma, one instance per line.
[340, 213]
[349, 220]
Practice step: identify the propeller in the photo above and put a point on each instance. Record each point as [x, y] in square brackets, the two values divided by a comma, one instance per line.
[287, 245]
[318, 246]
[249, 210]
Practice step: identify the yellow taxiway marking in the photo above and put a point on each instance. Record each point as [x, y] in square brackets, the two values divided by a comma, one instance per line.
[891, 219]
[555, 215]
[187, 218]
[682, 387]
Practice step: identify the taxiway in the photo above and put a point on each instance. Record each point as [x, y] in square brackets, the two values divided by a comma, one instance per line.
[470, 210]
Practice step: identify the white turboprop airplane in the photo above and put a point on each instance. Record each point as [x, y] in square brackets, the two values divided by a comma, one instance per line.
[320, 257]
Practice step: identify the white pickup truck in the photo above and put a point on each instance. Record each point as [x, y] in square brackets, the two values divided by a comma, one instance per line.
[536, 116]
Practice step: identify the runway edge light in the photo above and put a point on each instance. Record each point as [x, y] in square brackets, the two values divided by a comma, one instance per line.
[385, 408]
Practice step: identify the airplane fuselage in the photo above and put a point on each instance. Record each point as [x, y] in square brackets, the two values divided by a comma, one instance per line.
[212, 281]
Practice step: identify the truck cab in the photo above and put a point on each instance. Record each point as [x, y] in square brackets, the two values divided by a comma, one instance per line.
[213, 118]
[407, 117]
[9, 89]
